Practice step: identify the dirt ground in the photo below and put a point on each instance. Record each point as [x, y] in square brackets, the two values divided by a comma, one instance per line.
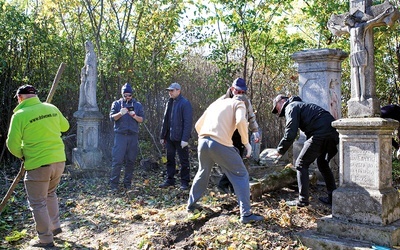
[148, 217]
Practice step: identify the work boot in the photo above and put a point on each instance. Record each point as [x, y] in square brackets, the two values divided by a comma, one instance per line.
[251, 218]
[165, 185]
[224, 189]
[57, 231]
[37, 243]
[326, 200]
[184, 186]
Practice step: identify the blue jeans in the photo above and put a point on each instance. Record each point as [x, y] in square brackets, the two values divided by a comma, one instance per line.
[322, 150]
[174, 147]
[125, 149]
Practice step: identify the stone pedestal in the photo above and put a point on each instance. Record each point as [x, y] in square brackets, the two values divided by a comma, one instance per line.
[366, 207]
[365, 192]
[319, 82]
[87, 154]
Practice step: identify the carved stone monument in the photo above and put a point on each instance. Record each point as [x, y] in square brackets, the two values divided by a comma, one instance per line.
[319, 82]
[88, 87]
[87, 154]
[359, 23]
[320, 77]
[366, 207]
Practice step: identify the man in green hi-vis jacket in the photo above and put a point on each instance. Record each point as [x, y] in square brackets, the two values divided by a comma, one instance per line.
[34, 136]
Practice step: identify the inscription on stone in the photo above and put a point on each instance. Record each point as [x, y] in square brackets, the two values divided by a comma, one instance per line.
[362, 158]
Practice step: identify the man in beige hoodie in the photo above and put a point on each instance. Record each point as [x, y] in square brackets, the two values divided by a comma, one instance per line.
[215, 129]
[239, 89]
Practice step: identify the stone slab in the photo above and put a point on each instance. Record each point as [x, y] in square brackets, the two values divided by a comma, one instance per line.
[317, 241]
[361, 205]
[387, 236]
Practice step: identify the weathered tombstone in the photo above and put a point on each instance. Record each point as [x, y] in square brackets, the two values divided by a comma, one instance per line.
[87, 155]
[319, 82]
[366, 207]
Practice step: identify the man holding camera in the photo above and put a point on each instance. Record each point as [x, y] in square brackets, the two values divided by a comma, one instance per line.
[126, 113]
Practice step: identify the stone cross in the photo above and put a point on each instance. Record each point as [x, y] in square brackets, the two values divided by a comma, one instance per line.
[365, 206]
[360, 5]
[359, 23]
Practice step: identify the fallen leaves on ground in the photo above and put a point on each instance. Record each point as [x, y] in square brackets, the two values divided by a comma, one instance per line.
[148, 217]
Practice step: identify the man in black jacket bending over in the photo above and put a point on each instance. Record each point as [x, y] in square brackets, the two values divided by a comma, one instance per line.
[321, 142]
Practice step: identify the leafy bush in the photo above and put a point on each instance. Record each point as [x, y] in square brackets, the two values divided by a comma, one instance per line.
[396, 170]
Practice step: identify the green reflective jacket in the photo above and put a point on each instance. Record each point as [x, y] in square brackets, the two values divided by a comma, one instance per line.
[35, 133]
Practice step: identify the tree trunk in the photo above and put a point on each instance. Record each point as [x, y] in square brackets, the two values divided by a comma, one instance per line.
[277, 178]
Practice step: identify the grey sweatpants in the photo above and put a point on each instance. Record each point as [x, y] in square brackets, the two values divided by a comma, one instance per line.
[210, 152]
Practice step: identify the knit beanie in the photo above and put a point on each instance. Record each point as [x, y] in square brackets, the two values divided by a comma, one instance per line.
[239, 84]
[126, 89]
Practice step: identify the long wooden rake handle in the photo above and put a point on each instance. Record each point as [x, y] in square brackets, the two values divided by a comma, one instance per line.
[22, 169]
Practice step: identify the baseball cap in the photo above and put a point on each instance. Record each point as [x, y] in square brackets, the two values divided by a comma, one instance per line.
[239, 84]
[26, 89]
[173, 86]
[276, 100]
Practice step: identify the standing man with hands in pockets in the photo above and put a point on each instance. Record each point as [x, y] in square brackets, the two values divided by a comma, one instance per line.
[127, 114]
[175, 134]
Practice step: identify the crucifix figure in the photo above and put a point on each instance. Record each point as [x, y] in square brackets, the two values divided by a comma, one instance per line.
[359, 23]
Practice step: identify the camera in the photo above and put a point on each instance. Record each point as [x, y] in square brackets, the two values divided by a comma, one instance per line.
[130, 109]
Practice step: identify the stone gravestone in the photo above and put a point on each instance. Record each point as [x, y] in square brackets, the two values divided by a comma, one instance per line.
[366, 207]
[319, 82]
[87, 155]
